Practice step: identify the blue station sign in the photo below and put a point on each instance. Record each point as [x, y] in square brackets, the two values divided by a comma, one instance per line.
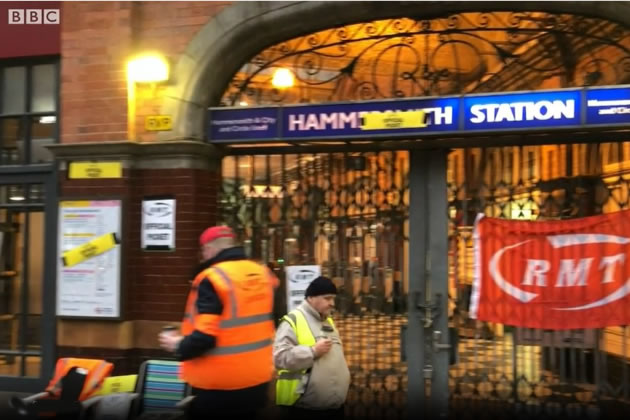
[515, 111]
[522, 110]
[609, 106]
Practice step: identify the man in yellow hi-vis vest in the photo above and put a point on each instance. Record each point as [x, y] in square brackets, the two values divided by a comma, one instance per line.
[313, 376]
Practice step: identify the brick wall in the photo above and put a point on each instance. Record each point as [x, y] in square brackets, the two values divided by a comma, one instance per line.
[97, 39]
[161, 279]
[155, 284]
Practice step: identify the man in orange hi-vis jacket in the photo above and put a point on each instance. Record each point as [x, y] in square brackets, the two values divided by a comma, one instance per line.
[227, 332]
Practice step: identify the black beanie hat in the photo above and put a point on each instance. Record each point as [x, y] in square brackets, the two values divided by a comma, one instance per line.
[321, 286]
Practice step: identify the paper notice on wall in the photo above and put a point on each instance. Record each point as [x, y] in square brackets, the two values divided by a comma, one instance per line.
[158, 224]
[298, 279]
[91, 287]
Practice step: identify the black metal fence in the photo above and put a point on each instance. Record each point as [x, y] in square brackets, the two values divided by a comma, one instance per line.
[534, 373]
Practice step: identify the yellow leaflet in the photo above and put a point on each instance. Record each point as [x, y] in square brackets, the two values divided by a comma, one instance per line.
[89, 249]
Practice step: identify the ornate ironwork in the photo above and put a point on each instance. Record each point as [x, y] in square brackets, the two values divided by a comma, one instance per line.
[286, 207]
[320, 208]
[463, 53]
[552, 374]
[347, 213]
[317, 188]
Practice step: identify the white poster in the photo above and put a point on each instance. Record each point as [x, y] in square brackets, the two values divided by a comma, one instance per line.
[158, 224]
[298, 279]
[88, 275]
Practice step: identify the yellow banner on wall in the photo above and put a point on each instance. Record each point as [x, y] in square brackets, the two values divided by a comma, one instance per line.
[393, 120]
[83, 170]
[89, 249]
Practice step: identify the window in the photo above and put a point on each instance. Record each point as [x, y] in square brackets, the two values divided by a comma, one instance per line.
[29, 94]
[22, 281]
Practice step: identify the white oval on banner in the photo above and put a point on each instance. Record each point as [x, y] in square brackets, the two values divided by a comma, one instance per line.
[560, 241]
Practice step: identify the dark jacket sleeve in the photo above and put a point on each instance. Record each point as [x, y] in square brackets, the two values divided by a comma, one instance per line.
[197, 343]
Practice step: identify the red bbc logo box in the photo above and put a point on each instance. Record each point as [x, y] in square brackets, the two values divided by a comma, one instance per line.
[34, 17]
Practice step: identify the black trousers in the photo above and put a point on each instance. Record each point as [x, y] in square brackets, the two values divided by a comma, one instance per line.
[228, 405]
[297, 413]
[223, 414]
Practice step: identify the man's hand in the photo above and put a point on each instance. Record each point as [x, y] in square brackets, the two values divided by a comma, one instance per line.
[322, 347]
[169, 341]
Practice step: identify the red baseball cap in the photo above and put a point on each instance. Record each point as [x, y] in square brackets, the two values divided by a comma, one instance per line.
[215, 232]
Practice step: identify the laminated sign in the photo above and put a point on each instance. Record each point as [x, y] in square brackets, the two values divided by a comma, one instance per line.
[158, 224]
[298, 279]
[88, 268]
[561, 274]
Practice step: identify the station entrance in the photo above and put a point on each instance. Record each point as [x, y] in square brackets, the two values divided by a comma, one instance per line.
[390, 219]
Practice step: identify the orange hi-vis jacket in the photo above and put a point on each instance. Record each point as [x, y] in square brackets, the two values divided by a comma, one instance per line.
[97, 370]
[244, 331]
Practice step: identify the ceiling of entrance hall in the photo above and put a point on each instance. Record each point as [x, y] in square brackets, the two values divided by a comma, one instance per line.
[463, 53]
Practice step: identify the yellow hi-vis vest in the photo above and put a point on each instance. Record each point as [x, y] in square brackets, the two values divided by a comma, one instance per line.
[288, 380]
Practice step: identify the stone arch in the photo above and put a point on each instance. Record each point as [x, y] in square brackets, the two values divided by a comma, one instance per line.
[245, 28]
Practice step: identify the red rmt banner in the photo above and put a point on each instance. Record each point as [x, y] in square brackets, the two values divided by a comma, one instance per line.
[562, 274]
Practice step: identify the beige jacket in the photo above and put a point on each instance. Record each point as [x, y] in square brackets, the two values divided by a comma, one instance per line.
[326, 385]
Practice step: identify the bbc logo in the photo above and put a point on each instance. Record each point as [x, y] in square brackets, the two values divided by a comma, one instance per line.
[34, 16]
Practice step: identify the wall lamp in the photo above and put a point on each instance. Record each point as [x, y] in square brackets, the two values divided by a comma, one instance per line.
[144, 68]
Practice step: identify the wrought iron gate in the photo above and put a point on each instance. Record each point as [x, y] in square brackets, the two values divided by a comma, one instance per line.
[349, 214]
[534, 373]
